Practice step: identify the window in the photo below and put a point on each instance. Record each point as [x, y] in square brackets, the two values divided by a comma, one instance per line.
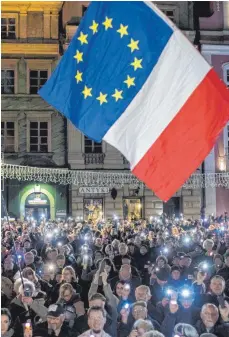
[8, 28]
[8, 136]
[7, 81]
[170, 14]
[84, 8]
[226, 73]
[37, 79]
[92, 147]
[38, 136]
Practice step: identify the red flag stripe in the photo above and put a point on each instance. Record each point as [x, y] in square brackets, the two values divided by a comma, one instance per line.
[188, 138]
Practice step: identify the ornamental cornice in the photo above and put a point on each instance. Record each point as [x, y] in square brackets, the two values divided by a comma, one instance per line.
[31, 6]
[30, 49]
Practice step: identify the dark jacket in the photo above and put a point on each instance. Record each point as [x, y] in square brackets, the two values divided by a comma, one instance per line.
[42, 330]
[188, 316]
[221, 330]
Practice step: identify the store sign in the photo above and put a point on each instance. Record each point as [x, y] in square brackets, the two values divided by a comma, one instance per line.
[37, 201]
[93, 190]
[61, 213]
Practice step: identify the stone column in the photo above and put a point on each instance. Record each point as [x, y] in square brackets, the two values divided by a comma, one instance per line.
[22, 73]
[54, 24]
[23, 25]
[47, 24]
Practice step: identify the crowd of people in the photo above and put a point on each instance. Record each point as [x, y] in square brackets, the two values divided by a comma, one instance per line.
[119, 278]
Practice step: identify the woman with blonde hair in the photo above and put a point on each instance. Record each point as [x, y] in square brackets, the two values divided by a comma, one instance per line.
[68, 298]
[68, 276]
[43, 288]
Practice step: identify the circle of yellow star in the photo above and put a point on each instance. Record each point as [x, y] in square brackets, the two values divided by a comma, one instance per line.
[83, 38]
[102, 98]
[79, 56]
[78, 76]
[94, 27]
[117, 95]
[133, 45]
[129, 81]
[122, 30]
[108, 23]
[137, 63]
[86, 92]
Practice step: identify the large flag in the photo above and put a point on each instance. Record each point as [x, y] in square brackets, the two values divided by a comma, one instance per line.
[131, 78]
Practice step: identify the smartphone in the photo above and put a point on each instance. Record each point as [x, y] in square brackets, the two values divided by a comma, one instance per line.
[221, 301]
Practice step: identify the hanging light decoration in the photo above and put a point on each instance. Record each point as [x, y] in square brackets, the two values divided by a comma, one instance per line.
[109, 179]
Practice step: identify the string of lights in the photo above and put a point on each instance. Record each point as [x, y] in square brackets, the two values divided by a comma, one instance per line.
[102, 178]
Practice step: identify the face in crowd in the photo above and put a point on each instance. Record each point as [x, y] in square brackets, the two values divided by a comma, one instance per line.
[96, 321]
[217, 285]
[209, 315]
[5, 323]
[125, 272]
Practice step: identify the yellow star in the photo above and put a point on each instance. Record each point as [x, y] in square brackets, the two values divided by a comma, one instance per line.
[87, 91]
[133, 45]
[108, 23]
[79, 56]
[78, 76]
[137, 63]
[102, 98]
[94, 27]
[129, 81]
[117, 95]
[122, 30]
[83, 38]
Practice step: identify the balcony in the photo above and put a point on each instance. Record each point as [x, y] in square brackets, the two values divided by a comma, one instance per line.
[93, 158]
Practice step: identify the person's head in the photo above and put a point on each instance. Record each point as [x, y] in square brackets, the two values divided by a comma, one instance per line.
[8, 265]
[226, 259]
[217, 285]
[126, 259]
[142, 326]
[29, 273]
[119, 288]
[126, 291]
[185, 330]
[109, 250]
[218, 260]
[27, 244]
[29, 258]
[137, 241]
[209, 315]
[161, 261]
[68, 274]
[139, 310]
[96, 319]
[97, 300]
[123, 249]
[5, 320]
[66, 291]
[98, 256]
[131, 248]
[208, 245]
[187, 260]
[53, 254]
[143, 250]
[142, 293]
[98, 242]
[125, 272]
[162, 277]
[175, 273]
[60, 260]
[55, 317]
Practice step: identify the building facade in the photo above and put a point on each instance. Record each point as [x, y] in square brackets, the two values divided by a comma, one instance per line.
[214, 39]
[34, 36]
[32, 133]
